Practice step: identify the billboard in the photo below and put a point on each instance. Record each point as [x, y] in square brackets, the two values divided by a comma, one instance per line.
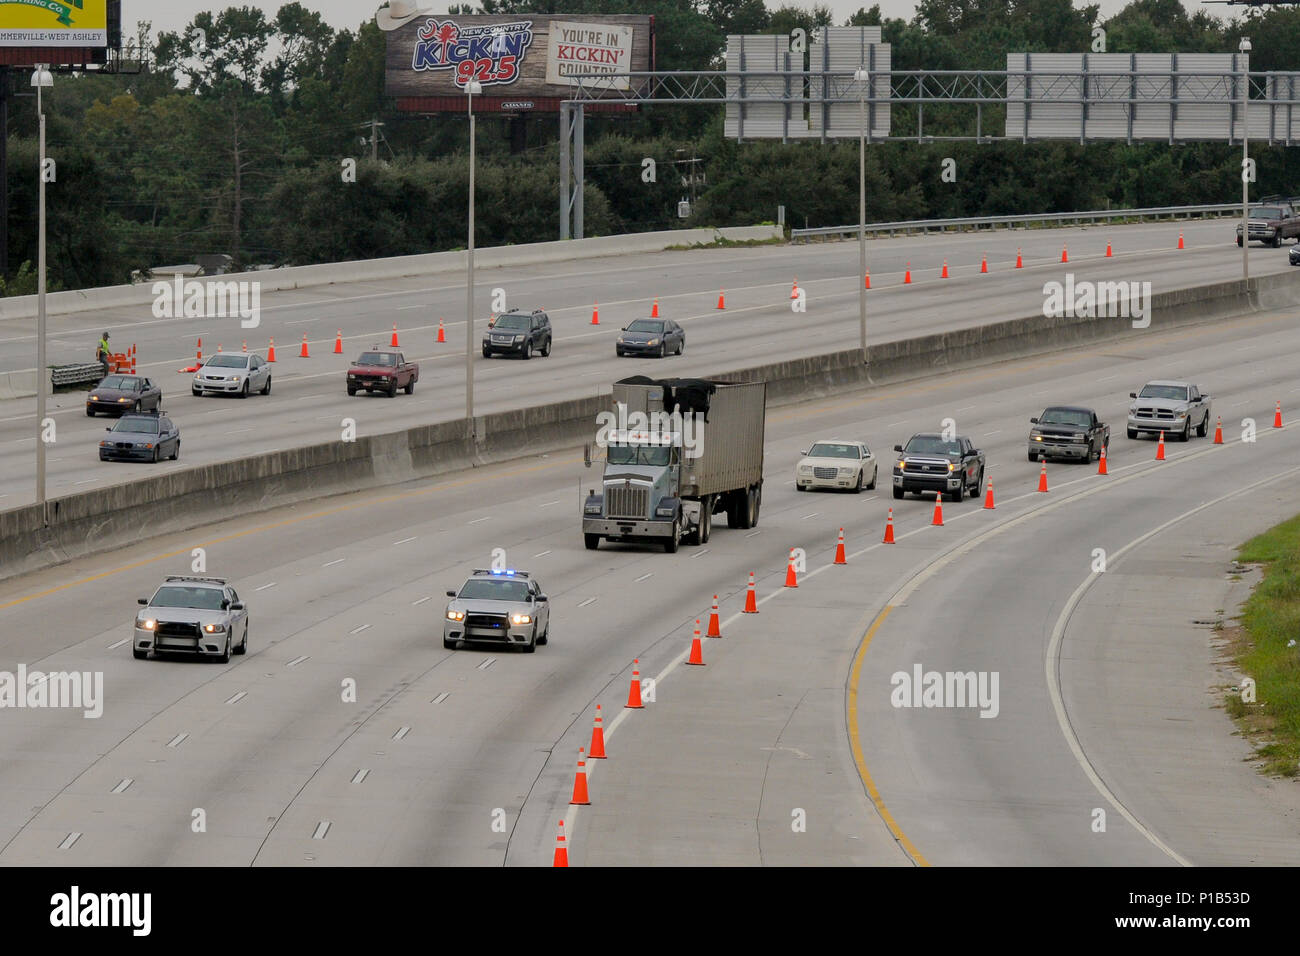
[54, 23]
[524, 61]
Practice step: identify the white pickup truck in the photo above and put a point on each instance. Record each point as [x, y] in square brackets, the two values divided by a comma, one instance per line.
[1174, 408]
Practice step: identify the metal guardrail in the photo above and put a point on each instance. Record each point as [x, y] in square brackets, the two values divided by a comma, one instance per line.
[975, 223]
[76, 374]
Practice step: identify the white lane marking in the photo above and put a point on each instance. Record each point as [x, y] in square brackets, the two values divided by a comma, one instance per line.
[126, 782]
[547, 504]
[360, 775]
[477, 520]
[422, 600]
[643, 577]
[68, 840]
[586, 602]
[965, 408]
[1108, 378]
[542, 554]
[335, 561]
[298, 660]
[265, 586]
[440, 698]
[401, 732]
[1235, 404]
[996, 431]
[752, 533]
[700, 552]
[177, 740]
[322, 828]
[302, 321]
[119, 643]
[813, 515]
[407, 308]
[236, 431]
[358, 630]
[85, 481]
[486, 664]
[405, 540]
[238, 697]
[893, 424]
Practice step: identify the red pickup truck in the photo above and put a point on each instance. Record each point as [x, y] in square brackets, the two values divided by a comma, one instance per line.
[382, 371]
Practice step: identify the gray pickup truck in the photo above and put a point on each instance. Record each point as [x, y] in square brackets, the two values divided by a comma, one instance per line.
[1174, 408]
[1068, 431]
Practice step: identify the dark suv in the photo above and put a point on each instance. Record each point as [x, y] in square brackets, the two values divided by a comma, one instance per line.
[516, 333]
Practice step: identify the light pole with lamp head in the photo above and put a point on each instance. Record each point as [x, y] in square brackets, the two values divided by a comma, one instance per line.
[472, 87]
[41, 78]
[861, 76]
[1244, 48]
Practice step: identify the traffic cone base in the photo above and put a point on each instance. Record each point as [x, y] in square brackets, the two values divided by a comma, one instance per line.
[634, 691]
[839, 550]
[580, 797]
[597, 738]
[1042, 478]
[938, 509]
[751, 605]
[714, 629]
[889, 528]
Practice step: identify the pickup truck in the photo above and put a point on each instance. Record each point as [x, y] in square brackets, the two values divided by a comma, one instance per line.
[929, 463]
[1174, 408]
[1068, 431]
[381, 370]
[1272, 221]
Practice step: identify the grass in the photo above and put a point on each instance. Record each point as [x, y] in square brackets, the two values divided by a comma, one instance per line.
[1270, 619]
[721, 243]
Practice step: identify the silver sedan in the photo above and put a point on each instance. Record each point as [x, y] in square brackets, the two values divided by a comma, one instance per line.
[836, 464]
[235, 373]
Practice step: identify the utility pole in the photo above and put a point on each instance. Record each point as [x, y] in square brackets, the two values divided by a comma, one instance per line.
[374, 125]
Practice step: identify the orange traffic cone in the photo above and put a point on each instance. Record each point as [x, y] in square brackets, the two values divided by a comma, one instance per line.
[580, 798]
[1020, 263]
[1160, 448]
[1042, 478]
[839, 550]
[598, 738]
[1180, 240]
[988, 497]
[1065, 256]
[697, 653]
[889, 528]
[654, 309]
[245, 345]
[907, 276]
[791, 579]
[1101, 462]
[1108, 255]
[721, 301]
[794, 289]
[866, 280]
[270, 350]
[442, 335]
[198, 358]
[634, 691]
[714, 629]
[938, 509]
[751, 605]
[984, 262]
[338, 342]
[132, 358]
[219, 344]
[944, 273]
[1218, 431]
[1277, 416]
[301, 354]
[561, 851]
[595, 313]
[393, 343]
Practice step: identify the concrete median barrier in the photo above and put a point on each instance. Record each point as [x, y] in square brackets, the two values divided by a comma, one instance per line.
[93, 521]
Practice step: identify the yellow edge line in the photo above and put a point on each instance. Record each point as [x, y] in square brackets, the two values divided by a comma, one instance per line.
[856, 743]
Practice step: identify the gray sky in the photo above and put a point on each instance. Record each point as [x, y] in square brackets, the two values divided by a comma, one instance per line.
[175, 14]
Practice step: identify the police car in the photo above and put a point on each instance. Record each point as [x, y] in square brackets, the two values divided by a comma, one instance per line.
[498, 607]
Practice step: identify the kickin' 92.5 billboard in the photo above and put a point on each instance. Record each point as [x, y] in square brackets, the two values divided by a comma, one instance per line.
[516, 56]
[53, 23]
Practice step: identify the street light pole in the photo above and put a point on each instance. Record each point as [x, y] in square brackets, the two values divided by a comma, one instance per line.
[40, 79]
[472, 87]
[1244, 48]
[861, 76]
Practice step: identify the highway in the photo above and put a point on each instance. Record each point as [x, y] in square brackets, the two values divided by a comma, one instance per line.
[467, 757]
[308, 403]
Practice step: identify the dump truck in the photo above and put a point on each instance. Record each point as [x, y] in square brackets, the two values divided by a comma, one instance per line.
[676, 452]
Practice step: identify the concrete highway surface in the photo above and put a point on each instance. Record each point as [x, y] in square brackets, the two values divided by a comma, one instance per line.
[785, 747]
[308, 402]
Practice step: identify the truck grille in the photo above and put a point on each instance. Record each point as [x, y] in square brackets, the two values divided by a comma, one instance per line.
[1163, 414]
[825, 473]
[921, 468]
[486, 625]
[624, 501]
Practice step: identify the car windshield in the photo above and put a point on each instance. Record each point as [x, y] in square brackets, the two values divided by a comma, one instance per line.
[142, 426]
[227, 361]
[119, 381]
[207, 599]
[826, 449]
[1266, 212]
[646, 325]
[377, 358]
[512, 322]
[933, 445]
[1176, 392]
[494, 589]
[638, 454]
[1065, 416]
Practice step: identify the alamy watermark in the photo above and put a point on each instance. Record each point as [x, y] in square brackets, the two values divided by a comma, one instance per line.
[922, 688]
[77, 689]
[209, 299]
[1106, 300]
[652, 428]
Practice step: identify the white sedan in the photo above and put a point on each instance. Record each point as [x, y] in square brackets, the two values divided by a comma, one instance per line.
[836, 464]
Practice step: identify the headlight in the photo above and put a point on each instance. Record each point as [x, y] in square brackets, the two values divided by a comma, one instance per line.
[519, 338]
[620, 340]
[124, 400]
[899, 464]
[214, 628]
[352, 375]
[665, 512]
[1078, 436]
[1181, 415]
[106, 444]
[805, 469]
[653, 342]
[147, 625]
[845, 472]
[94, 398]
[520, 619]
[147, 444]
[234, 378]
[951, 466]
[455, 615]
[1036, 436]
